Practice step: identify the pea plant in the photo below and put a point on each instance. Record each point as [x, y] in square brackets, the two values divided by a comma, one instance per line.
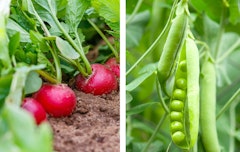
[182, 78]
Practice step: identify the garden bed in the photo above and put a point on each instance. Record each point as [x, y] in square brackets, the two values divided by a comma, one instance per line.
[93, 126]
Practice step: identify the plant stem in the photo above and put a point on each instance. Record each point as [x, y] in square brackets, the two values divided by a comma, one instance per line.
[159, 91]
[104, 38]
[47, 76]
[220, 34]
[79, 48]
[154, 44]
[155, 132]
[56, 61]
[234, 98]
[137, 7]
[232, 118]
[74, 63]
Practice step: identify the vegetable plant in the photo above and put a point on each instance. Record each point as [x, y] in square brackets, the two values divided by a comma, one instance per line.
[182, 80]
[44, 46]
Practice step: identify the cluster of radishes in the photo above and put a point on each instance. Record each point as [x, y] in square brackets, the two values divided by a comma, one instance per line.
[59, 100]
[103, 80]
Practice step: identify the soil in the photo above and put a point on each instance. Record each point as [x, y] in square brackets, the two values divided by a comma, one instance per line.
[92, 127]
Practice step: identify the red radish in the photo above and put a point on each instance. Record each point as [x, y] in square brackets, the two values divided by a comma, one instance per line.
[58, 100]
[35, 108]
[101, 81]
[113, 66]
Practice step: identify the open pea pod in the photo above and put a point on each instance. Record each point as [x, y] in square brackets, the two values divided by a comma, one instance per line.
[184, 104]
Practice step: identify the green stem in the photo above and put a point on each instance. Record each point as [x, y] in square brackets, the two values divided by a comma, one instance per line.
[137, 7]
[154, 44]
[128, 121]
[220, 34]
[74, 63]
[162, 100]
[155, 132]
[104, 38]
[56, 61]
[47, 76]
[234, 98]
[232, 118]
[229, 51]
[79, 48]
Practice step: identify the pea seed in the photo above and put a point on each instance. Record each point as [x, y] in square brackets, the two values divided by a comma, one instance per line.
[176, 126]
[178, 137]
[176, 105]
[181, 83]
[183, 66]
[179, 94]
[176, 116]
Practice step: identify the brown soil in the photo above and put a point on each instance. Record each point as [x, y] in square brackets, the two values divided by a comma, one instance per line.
[92, 127]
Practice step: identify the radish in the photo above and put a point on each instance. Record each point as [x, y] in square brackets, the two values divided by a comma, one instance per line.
[58, 100]
[101, 81]
[113, 66]
[35, 108]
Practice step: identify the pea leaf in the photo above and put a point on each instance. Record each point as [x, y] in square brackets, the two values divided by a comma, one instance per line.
[234, 9]
[145, 73]
[129, 97]
[66, 49]
[135, 29]
[141, 108]
[211, 7]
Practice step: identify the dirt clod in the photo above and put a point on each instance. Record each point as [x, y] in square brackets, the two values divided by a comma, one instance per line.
[92, 127]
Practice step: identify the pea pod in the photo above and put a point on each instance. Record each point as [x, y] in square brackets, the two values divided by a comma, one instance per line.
[173, 42]
[208, 107]
[184, 104]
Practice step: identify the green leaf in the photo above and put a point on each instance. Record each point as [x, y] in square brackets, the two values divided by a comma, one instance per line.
[234, 11]
[18, 83]
[66, 49]
[140, 108]
[46, 9]
[33, 83]
[212, 8]
[5, 83]
[29, 139]
[39, 40]
[135, 29]
[144, 73]
[14, 28]
[75, 10]
[110, 11]
[14, 43]
[129, 97]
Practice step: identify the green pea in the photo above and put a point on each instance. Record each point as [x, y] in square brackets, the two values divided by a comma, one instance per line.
[208, 107]
[176, 116]
[172, 46]
[181, 83]
[183, 66]
[177, 105]
[179, 94]
[176, 126]
[178, 137]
